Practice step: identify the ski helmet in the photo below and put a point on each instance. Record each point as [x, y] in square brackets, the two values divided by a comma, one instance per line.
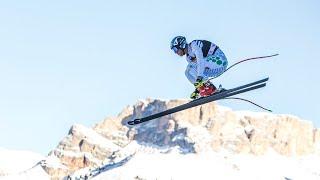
[178, 42]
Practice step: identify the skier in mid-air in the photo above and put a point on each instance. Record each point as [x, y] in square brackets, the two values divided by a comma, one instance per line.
[205, 60]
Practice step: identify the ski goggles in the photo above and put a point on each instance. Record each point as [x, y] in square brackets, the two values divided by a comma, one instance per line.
[175, 49]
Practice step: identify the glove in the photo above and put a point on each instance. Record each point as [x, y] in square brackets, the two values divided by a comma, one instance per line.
[199, 82]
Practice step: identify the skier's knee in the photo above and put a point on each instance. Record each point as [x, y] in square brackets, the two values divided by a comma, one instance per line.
[189, 76]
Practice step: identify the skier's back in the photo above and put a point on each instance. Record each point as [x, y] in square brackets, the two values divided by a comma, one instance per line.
[205, 59]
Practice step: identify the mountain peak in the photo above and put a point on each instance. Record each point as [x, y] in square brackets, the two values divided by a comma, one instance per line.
[206, 129]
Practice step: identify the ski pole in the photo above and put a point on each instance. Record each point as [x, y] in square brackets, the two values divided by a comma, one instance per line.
[244, 60]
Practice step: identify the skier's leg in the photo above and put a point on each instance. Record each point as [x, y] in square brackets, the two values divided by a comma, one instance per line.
[207, 89]
[191, 72]
[215, 65]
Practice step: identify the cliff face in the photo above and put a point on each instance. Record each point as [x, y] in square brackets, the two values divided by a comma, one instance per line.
[201, 129]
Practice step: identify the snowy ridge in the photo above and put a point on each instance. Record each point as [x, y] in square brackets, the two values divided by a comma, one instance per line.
[87, 173]
[12, 161]
[35, 173]
[204, 142]
[21, 165]
[236, 135]
[94, 138]
[207, 165]
[53, 162]
[119, 159]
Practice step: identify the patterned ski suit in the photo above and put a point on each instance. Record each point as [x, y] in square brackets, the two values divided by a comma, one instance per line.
[205, 59]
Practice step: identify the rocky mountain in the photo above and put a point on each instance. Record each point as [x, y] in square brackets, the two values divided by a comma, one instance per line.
[185, 143]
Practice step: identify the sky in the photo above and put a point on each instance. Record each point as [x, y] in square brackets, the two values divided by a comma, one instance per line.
[68, 62]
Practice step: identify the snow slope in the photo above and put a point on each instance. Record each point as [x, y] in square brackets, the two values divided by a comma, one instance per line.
[150, 163]
[211, 165]
[21, 165]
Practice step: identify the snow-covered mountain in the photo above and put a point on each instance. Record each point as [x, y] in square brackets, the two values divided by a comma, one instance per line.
[21, 165]
[205, 142]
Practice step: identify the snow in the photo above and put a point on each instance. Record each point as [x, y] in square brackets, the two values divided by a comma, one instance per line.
[213, 165]
[13, 161]
[94, 138]
[36, 173]
[22, 165]
[148, 162]
[53, 162]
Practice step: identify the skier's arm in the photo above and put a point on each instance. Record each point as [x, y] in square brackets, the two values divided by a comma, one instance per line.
[196, 47]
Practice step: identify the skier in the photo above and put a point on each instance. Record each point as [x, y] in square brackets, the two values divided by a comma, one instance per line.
[205, 60]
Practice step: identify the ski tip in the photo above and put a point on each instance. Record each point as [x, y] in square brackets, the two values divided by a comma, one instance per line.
[135, 121]
[263, 80]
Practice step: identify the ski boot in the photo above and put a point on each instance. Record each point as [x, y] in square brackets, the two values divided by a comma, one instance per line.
[195, 94]
[203, 88]
[206, 89]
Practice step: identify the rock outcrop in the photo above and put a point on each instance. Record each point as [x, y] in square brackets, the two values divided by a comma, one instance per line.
[204, 128]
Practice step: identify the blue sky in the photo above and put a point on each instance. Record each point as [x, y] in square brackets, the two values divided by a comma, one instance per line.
[66, 62]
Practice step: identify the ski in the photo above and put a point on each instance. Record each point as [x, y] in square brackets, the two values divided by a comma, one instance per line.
[237, 90]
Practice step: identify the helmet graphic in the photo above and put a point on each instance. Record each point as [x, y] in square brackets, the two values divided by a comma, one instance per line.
[178, 42]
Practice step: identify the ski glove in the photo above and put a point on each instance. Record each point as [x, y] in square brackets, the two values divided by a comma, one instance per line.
[199, 82]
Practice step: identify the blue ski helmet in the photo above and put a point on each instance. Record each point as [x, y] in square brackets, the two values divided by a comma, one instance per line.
[178, 42]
